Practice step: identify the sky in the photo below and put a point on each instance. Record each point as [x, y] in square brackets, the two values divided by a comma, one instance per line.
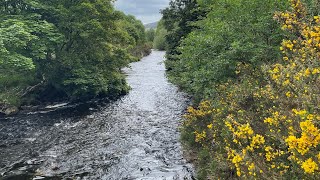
[148, 11]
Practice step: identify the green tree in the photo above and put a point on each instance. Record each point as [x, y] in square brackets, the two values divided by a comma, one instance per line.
[233, 32]
[178, 21]
[159, 41]
[136, 36]
[74, 49]
[150, 34]
[24, 39]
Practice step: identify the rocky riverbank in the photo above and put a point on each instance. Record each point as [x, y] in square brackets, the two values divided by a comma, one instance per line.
[7, 110]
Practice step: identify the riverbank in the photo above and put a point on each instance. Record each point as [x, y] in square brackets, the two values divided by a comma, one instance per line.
[40, 96]
[6, 110]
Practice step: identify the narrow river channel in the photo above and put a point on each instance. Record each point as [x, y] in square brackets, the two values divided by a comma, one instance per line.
[135, 137]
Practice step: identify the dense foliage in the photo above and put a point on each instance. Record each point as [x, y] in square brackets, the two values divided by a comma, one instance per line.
[159, 41]
[178, 21]
[229, 35]
[259, 86]
[65, 49]
[150, 35]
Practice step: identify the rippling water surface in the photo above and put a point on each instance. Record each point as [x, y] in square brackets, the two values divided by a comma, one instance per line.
[135, 137]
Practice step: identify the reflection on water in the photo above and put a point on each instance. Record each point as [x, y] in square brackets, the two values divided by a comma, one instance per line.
[135, 137]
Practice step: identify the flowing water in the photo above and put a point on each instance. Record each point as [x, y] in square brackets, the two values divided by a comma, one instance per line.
[135, 137]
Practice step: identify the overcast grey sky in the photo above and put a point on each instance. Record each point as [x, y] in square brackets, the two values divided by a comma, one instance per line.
[147, 11]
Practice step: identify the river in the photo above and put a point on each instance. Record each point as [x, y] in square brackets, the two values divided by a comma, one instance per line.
[134, 137]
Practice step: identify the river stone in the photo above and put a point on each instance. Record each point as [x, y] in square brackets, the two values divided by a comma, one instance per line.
[11, 110]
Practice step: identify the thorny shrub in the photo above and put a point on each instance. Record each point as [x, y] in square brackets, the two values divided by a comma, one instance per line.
[266, 125]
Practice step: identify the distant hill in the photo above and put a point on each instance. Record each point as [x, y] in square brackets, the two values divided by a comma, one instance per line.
[151, 25]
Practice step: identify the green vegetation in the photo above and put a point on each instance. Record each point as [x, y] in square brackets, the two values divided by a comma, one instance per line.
[137, 35]
[159, 41]
[230, 34]
[178, 20]
[256, 112]
[150, 34]
[51, 50]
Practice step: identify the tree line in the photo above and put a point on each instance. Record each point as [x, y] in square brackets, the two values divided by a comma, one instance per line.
[56, 49]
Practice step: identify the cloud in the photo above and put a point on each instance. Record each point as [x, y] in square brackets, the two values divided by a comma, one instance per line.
[147, 11]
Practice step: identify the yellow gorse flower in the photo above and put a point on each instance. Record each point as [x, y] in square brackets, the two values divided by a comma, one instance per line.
[309, 166]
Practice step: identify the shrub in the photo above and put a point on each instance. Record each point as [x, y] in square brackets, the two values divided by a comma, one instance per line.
[266, 125]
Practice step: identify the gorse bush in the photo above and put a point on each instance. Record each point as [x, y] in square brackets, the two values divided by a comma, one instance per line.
[264, 122]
